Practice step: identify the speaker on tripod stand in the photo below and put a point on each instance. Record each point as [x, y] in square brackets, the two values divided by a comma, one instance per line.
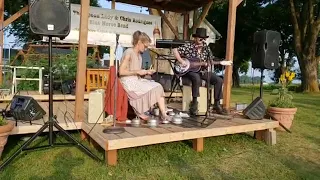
[52, 19]
[265, 55]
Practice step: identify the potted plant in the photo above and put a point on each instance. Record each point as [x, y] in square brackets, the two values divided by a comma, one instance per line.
[282, 108]
[5, 130]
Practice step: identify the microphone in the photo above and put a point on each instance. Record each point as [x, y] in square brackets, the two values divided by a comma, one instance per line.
[117, 37]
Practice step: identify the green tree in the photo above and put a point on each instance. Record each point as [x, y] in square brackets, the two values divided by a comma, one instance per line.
[306, 25]
[282, 24]
[20, 27]
[248, 20]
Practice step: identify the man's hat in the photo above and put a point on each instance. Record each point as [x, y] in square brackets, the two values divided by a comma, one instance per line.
[201, 33]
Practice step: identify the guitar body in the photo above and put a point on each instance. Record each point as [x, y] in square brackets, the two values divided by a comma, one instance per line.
[193, 65]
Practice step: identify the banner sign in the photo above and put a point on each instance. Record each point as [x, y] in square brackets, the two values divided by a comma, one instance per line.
[104, 24]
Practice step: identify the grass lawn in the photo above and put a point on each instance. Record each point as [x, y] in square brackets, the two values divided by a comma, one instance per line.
[295, 156]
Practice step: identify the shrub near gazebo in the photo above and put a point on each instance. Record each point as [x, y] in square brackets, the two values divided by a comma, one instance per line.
[282, 108]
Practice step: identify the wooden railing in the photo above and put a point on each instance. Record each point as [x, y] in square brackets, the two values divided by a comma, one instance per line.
[97, 79]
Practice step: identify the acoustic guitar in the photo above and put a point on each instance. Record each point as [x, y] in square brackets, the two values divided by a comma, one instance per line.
[192, 65]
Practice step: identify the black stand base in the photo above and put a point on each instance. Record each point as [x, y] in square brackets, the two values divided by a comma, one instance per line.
[114, 130]
[51, 143]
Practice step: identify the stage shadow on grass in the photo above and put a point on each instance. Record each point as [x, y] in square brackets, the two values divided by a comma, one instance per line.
[184, 167]
[64, 164]
[314, 139]
[190, 172]
[303, 169]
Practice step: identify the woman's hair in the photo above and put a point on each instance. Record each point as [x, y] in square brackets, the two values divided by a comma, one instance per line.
[138, 35]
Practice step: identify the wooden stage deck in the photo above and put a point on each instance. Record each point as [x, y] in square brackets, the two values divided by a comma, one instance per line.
[43, 97]
[191, 129]
[64, 110]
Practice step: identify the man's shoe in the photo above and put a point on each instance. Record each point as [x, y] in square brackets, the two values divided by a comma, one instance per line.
[220, 110]
[193, 108]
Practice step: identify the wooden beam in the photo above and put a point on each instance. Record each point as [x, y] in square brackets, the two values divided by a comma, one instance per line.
[82, 60]
[239, 1]
[16, 16]
[229, 52]
[1, 35]
[169, 24]
[186, 26]
[203, 15]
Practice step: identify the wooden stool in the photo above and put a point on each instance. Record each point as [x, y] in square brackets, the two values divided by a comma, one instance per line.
[202, 100]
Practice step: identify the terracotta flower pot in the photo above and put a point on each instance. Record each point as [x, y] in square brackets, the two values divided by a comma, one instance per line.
[4, 133]
[284, 115]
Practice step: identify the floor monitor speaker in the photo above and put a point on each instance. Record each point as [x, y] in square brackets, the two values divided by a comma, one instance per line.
[256, 110]
[26, 108]
[50, 18]
[265, 54]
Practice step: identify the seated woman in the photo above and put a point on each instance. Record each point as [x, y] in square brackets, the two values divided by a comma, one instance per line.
[142, 93]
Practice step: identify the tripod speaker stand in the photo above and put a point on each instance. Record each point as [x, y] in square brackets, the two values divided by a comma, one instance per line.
[49, 124]
[51, 22]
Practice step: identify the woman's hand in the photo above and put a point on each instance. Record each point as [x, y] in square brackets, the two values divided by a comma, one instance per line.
[151, 71]
[142, 72]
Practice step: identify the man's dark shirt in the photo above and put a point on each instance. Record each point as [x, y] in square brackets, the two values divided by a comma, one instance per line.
[189, 50]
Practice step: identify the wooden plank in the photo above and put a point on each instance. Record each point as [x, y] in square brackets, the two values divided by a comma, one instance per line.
[229, 52]
[82, 60]
[43, 97]
[26, 128]
[187, 135]
[98, 129]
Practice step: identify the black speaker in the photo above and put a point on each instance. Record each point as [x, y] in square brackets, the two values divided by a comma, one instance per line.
[256, 110]
[50, 17]
[26, 108]
[265, 53]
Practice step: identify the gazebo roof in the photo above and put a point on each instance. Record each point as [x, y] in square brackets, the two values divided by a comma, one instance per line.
[169, 5]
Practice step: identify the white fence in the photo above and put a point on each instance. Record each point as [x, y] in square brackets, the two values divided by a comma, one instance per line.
[15, 79]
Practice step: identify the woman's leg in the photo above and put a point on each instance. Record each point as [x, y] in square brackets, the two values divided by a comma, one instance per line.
[162, 107]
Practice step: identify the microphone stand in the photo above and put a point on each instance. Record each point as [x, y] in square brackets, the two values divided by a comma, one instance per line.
[115, 129]
[208, 86]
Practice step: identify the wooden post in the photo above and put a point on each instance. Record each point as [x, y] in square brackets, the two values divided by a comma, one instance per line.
[229, 52]
[113, 4]
[198, 144]
[82, 60]
[186, 26]
[269, 136]
[1, 35]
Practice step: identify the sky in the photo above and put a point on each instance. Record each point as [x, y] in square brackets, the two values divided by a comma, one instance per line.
[9, 41]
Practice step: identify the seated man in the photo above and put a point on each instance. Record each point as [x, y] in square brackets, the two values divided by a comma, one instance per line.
[199, 49]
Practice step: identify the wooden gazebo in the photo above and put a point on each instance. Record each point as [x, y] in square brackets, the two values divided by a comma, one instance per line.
[179, 6]
[141, 136]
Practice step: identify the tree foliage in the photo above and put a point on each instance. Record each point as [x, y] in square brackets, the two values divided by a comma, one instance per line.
[248, 19]
[276, 16]
[20, 28]
[305, 17]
